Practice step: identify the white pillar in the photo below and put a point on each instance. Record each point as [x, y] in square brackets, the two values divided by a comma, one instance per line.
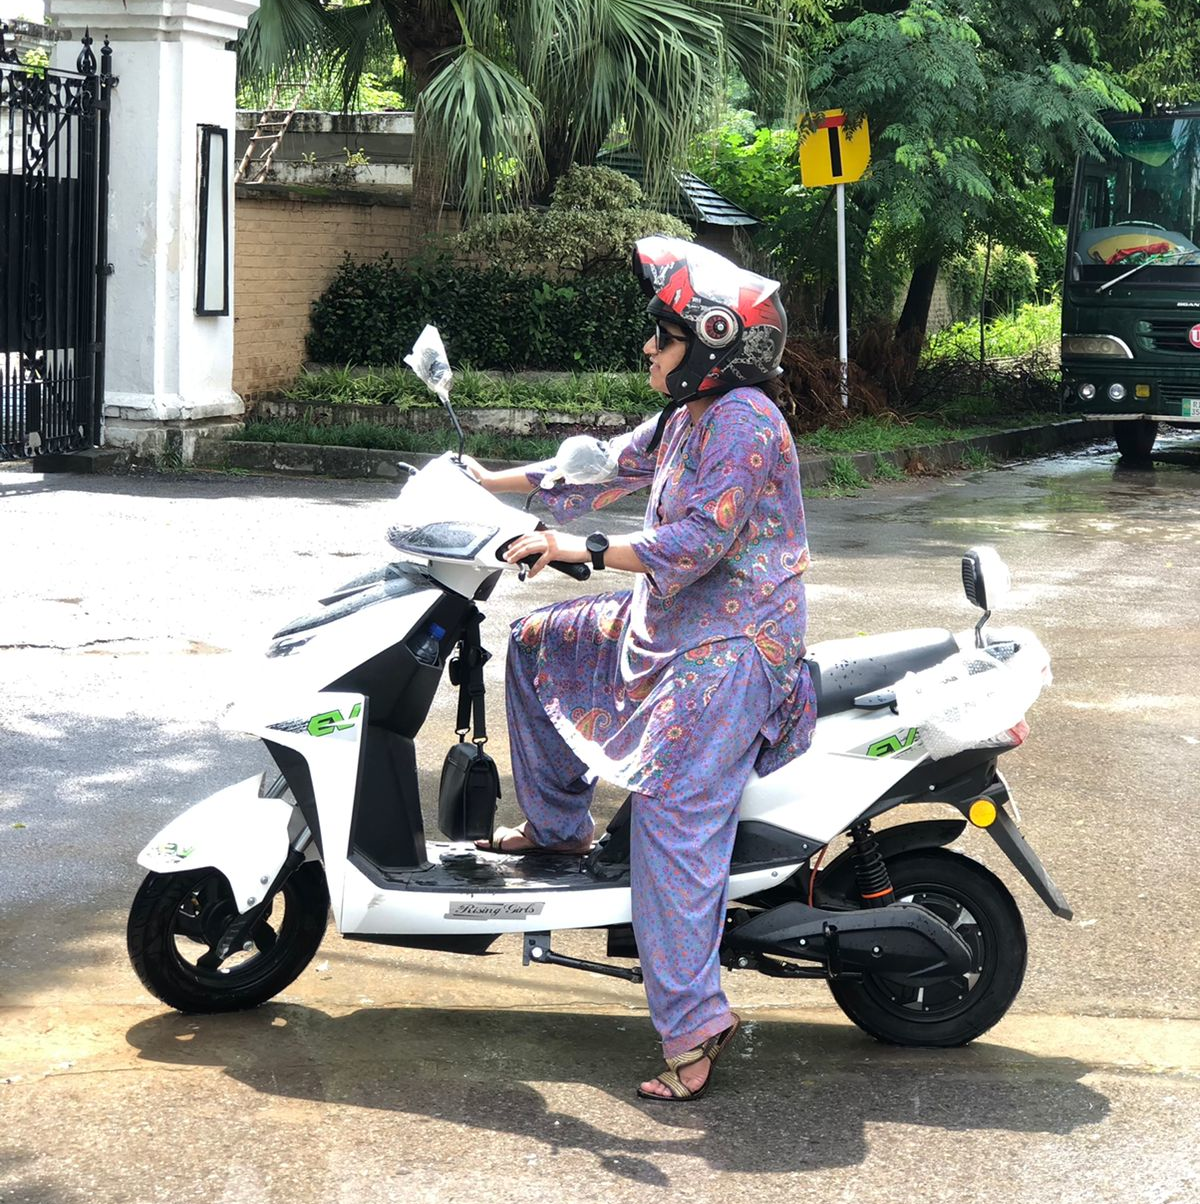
[168, 371]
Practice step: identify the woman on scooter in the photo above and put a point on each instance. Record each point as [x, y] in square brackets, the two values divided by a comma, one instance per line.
[677, 688]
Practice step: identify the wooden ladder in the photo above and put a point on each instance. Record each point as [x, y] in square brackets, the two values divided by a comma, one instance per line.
[273, 123]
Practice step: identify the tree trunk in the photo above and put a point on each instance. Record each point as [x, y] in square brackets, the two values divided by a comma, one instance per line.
[914, 317]
[423, 31]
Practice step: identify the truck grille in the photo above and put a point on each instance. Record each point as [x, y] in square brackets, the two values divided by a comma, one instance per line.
[1175, 393]
[1167, 334]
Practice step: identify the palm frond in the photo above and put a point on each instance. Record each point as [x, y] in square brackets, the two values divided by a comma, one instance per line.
[280, 35]
[479, 126]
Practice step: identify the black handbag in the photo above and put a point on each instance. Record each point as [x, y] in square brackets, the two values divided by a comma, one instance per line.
[470, 782]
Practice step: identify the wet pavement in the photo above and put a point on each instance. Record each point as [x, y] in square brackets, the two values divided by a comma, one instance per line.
[123, 605]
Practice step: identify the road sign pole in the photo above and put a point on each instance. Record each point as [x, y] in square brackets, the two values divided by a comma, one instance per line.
[843, 337]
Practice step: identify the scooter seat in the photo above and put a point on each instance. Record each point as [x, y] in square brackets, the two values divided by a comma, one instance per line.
[842, 670]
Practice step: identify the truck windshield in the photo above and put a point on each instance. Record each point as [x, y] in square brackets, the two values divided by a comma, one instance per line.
[1141, 208]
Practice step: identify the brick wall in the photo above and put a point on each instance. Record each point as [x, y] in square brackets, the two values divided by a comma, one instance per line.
[286, 252]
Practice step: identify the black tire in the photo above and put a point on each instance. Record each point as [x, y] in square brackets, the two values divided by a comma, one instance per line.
[1135, 439]
[176, 918]
[978, 905]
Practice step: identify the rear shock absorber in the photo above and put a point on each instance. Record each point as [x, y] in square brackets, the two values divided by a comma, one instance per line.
[870, 870]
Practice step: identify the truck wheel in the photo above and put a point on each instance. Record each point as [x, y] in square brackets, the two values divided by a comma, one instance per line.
[1135, 440]
[177, 918]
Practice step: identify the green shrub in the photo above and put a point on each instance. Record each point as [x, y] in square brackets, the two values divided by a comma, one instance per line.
[1031, 327]
[578, 393]
[595, 217]
[489, 317]
[1012, 280]
[486, 444]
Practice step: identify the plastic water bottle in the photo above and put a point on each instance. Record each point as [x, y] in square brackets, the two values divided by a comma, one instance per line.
[429, 647]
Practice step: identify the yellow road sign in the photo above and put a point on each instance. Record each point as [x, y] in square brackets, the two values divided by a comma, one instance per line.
[829, 154]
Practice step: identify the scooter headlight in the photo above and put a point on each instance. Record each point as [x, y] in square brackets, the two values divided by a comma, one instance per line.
[1086, 392]
[448, 541]
[1116, 392]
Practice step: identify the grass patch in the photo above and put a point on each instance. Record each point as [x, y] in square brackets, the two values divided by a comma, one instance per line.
[843, 475]
[887, 470]
[880, 435]
[485, 444]
[580, 393]
[975, 459]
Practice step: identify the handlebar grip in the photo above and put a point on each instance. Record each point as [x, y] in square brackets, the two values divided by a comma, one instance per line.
[580, 572]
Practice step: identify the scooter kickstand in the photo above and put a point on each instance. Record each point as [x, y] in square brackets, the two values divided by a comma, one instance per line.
[537, 949]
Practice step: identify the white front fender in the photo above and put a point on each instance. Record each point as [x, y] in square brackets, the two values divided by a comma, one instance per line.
[234, 831]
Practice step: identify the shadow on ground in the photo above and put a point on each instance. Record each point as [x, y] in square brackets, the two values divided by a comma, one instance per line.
[792, 1096]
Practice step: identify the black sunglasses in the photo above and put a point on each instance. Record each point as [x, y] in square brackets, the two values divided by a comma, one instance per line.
[663, 338]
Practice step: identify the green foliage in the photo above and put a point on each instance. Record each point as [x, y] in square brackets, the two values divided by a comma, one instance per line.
[887, 470]
[975, 459]
[1031, 327]
[1153, 46]
[969, 103]
[35, 61]
[1011, 279]
[490, 317]
[844, 476]
[598, 189]
[595, 216]
[485, 444]
[579, 394]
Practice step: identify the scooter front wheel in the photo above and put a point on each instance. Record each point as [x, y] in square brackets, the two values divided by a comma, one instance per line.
[978, 906]
[177, 919]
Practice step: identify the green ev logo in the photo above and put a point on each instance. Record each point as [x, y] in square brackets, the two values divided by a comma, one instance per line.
[333, 721]
[893, 744]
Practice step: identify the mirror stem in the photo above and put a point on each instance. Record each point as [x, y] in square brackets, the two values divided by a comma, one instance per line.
[987, 614]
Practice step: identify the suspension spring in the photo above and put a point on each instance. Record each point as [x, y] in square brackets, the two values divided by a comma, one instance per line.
[870, 870]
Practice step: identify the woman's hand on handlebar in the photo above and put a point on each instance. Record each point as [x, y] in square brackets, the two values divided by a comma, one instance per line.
[483, 475]
[509, 480]
[547, 546]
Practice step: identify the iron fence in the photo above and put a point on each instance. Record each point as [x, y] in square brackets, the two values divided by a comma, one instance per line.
[53, 251]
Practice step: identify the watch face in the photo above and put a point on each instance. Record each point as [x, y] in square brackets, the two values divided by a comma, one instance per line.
[596, 543]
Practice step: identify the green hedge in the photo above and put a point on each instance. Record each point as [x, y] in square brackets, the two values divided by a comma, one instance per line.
[371, 313]
[579, 393]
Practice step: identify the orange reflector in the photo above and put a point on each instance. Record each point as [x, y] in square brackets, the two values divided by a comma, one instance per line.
[1141, 390]
[982, 813]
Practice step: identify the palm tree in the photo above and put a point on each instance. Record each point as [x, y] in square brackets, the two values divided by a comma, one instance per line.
[510, 93]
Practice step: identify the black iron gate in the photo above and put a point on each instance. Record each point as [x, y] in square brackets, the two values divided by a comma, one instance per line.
[53, 252]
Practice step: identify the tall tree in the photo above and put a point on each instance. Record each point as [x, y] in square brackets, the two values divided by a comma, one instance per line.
[969, 101]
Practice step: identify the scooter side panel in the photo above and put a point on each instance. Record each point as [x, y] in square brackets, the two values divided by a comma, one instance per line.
[315, 657]
[368, 908]
[854, 758]
[326, 728]
[234, 831]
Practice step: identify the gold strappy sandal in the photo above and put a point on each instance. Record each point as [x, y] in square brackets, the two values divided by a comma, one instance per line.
[711, 1049]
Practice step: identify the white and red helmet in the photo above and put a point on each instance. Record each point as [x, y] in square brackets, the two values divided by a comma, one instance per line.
[737, 324]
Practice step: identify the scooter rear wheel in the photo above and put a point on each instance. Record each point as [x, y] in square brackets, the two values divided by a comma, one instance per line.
[978, 906]
[177, 918]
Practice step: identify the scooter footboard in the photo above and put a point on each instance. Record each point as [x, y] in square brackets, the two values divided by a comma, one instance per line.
[234, 831]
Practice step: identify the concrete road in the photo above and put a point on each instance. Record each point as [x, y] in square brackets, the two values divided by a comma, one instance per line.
[385, 1073]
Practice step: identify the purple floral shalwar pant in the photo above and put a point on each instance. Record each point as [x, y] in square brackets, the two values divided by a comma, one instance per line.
[681, 844]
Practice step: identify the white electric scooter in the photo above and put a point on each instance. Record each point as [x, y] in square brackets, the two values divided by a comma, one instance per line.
[919, 945]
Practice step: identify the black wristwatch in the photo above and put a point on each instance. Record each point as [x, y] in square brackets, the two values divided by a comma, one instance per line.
[597, 545]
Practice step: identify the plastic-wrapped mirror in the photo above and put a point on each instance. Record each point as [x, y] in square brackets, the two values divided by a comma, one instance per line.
[986, 579]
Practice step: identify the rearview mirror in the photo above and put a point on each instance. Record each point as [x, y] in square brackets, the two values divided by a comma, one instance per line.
[986, 579]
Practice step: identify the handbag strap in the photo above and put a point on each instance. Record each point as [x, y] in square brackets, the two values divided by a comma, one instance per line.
[467, 670]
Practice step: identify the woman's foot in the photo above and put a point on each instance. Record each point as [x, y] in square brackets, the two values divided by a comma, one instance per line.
[687, 1075]
[518, 840]
[693, 1077]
